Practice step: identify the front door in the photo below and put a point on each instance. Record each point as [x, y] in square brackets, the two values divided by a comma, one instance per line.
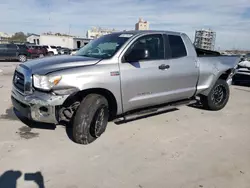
[143, 80]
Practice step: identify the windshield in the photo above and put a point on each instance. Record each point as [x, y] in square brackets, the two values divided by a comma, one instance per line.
[104, 47]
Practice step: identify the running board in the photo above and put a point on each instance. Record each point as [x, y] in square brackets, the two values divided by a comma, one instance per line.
[154, 110]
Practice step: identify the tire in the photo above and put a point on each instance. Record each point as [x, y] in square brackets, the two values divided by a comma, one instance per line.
[41, 55]
[91, 119]
[22, 58]
[218, 96]
[50, 54]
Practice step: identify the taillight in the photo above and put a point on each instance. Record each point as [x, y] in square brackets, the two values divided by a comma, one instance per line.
[29, 50]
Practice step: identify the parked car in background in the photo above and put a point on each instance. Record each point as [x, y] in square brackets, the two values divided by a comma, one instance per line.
[64, 51]
[35, 51]
[44, 50]
[242, 74]
[18, 52]
[121, 76]
[52, 50]
[58, 49]
[73, 51]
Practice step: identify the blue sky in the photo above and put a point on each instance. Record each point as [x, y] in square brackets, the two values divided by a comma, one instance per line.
[229, 18]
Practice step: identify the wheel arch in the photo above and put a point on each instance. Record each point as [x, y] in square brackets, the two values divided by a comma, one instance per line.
[224, 75]
[80, 95]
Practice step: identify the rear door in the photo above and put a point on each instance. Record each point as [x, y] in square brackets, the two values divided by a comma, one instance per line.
[183, 73]
[12, 51]
[3, 50]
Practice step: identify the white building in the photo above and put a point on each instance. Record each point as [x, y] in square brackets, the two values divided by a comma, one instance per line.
[205, 39]
[96, 32]
[56, 40]
[34, 39]
[142, 25]
[5, 35]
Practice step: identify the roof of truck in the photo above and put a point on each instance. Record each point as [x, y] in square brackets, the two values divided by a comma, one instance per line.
[134, 32]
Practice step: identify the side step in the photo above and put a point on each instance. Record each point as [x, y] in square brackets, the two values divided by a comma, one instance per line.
[153, 110]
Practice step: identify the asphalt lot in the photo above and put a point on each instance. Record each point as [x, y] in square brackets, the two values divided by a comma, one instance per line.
[186, 148]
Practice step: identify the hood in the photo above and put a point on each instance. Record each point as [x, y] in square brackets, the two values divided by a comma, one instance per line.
[50, 64]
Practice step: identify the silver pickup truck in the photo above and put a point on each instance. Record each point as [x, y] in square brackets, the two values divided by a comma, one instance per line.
[120, 76]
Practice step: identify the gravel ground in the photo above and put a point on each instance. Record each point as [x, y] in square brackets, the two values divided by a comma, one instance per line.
[186, 148]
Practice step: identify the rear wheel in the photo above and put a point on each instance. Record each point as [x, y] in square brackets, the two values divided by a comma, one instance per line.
[50, 54]
[91, 119]
[218, 96]
[22, 58]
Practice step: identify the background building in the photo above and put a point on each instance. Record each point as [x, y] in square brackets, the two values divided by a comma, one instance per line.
[58, 40]
[142, 25]
[4, 37]
[205, 39]
[34, 39]
[96, 32]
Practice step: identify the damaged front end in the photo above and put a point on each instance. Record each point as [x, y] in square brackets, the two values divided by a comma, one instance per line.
[38, 106]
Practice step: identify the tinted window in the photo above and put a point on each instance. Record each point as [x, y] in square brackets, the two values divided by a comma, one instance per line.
[53, 47]
[22, 46]
[45, 46]
[177, 46]
[11, 46]
[2, 46]
[152, 43]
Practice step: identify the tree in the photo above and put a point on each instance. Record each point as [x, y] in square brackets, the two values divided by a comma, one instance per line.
[19, 37]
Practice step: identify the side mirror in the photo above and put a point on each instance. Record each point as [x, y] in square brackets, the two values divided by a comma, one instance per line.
[136, 55]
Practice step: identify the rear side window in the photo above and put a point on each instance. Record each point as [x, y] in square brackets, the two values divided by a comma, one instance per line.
[177, 46]
[22, 47]
[2, 46]
[53, 47]
[11, 46]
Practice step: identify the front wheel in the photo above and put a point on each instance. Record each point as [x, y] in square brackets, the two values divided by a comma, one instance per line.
[91, 119]
[218, 96]
[22, 58]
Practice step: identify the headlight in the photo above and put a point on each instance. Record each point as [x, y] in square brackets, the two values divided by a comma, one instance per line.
[45, 82]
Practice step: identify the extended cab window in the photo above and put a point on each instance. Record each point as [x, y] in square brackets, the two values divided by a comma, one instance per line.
[177, 46]
[148, 47]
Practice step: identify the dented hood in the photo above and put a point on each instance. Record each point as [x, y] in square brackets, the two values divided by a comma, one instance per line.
[51, 64]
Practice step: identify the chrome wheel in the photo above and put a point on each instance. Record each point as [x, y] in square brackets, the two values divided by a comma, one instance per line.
[22, 58]
[219, 95]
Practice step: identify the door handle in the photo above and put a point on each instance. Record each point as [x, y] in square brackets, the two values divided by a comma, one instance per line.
[163, 67]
